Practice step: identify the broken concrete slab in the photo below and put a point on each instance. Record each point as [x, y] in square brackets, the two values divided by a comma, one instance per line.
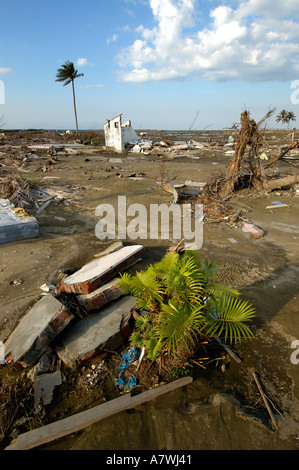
[115, 160]
[100, 296]
[15, 223]
[44, 386]
[96, 332]
[44, 365]
[98, 272]
[36, 330]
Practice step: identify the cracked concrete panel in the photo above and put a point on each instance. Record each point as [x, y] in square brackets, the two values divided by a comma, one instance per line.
[36, 330]
[99, 330]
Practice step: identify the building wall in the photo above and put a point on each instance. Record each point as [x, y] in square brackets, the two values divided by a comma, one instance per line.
[118, 135]
[113, 134]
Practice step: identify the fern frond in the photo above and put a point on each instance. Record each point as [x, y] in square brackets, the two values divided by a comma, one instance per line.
[153, 348]
[142, 322]
[227, 315]
[178, 325]
[220, 291]
[125, 283]
[136, 339]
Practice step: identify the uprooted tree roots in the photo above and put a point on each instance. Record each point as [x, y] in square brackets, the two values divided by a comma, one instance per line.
[246, 168]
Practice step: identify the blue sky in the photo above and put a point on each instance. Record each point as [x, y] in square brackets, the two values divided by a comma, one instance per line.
[156, 61]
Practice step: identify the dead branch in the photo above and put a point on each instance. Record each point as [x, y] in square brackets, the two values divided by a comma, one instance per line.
[281, 182]
[282, 154]
[264, 398]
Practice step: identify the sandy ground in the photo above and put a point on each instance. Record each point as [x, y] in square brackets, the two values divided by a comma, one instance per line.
[220, 410]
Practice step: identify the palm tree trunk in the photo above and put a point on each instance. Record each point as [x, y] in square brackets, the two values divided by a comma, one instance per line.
[74, 99]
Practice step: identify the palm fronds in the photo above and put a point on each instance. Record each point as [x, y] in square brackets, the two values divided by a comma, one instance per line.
[226, 316]
[184, 305]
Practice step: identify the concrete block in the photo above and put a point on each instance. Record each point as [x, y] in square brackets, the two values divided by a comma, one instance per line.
[98, 272]
[36, 330]
[100, 296]
[15, 223]
[44, 386]
[96, 332]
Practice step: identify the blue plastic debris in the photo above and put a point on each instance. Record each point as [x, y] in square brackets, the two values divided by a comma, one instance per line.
[127, 381]
[128, 358]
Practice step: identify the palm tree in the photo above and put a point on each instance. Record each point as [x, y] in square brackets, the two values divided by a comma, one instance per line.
[67, 74]
[183, 305]
[285, 117]
[291, 117]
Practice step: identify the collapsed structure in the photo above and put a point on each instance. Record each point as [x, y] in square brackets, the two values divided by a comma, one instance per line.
[82, 299]
[117, 135]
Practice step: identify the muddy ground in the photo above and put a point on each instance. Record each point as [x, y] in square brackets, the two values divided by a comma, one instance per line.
[222, 408]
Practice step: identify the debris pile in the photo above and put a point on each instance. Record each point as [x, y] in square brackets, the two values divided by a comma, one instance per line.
[16, 190]
[246, 168]
[86, 316]
[166, 148]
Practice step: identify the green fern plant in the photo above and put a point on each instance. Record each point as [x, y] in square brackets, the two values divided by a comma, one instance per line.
[184, 305]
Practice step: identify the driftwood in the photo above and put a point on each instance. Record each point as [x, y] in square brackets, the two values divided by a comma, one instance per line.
[265, 399]
[281, 182]
[282, 154]
[229, 351]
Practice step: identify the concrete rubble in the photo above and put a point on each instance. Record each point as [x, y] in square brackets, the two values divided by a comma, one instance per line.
[117, 134]
[44, 386]
[95, 333]
[101, 296]
[36, 330]
[99, 316]
[97, 272]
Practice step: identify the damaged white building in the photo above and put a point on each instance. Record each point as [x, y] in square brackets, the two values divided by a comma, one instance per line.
[117, 135]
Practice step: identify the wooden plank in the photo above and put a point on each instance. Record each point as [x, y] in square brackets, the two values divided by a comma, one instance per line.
[264, 397]
[229, 351]
[84, 419]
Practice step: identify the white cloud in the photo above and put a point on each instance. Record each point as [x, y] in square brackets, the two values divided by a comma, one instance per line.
[81, 62]
[5, 70]
[124, 29]
[241, 43]
[112, 38]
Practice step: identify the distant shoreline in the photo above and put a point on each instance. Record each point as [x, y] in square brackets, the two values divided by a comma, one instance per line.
[159, 131]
